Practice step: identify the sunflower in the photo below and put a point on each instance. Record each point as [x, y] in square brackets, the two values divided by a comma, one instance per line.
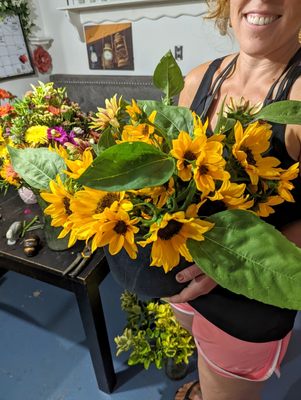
[248, 148]
[59, 199]
[199, 129]
[78, 167]
[141, 132]
[68, 228]
[232, 195]
[210, 166]
[134, 111]
[169, 236]
[164, 192]
[117, 231]
[192, 210]
[88, 208]
[264, 208]
[36, 135]
[186, 150]
[60, 150]
[107, 116]
[285, 186]
[3, 148]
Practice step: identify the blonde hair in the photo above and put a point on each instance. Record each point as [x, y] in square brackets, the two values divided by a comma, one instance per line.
[219, 10]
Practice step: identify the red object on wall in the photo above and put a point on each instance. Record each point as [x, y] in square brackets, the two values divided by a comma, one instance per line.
[42, 60]
[23, 58]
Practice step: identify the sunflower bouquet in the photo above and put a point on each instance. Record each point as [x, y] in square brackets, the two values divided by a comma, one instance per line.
[159, 178]
[44, 117]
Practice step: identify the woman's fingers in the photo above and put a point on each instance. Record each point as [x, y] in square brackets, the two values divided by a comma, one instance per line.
[189, 273]
[199, 286]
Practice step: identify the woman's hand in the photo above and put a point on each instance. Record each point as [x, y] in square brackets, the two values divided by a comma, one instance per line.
[199, 285]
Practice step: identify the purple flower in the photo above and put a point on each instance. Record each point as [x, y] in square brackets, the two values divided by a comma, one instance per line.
[58, 134]
[71, 137]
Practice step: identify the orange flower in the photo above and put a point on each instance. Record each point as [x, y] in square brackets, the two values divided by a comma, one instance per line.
[6, 109]
[4, 94]
[54, 110]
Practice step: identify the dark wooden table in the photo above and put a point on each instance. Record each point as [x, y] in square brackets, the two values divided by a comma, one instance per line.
[49, 266]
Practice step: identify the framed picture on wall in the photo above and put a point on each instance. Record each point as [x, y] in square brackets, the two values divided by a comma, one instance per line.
[110, 46]
[15, 57]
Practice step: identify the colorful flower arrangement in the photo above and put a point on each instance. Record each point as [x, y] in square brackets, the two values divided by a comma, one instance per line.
[152, 333]
[44, 117]
[159, 177]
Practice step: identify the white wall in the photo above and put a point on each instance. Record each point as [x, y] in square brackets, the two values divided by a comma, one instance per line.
[151, 40]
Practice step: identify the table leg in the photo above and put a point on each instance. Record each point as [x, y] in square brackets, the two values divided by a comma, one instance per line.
[91, 311]
[2, 272]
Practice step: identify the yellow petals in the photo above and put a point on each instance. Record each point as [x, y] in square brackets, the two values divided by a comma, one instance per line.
[36, 135]
[168, 238]
[107, 116]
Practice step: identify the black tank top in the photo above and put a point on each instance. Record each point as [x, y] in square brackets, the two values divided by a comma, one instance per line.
[238, 315]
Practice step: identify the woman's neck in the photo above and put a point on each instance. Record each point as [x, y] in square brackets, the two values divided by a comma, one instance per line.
[250, 69]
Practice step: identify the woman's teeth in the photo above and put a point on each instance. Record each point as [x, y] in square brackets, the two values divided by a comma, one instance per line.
[260, 20]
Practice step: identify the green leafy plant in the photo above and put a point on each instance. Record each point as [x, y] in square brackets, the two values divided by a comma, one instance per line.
[152, 334]
[20, 7]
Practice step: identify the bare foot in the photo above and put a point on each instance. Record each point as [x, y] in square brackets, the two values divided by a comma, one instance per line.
[183, 392]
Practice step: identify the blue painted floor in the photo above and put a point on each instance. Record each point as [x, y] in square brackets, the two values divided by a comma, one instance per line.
[43, 352]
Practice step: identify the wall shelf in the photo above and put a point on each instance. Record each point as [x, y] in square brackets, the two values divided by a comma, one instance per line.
[114, 11]
[40, 40]
[113, 4]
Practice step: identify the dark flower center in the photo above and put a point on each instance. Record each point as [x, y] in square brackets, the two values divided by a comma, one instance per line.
[172, 228]
[189, 156]
[203, 170]
[66, 203]
[145, 129]
[106, 201]
[120, 228]
[250, 158]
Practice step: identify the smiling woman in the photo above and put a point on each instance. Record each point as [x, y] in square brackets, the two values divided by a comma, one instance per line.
[267, 69]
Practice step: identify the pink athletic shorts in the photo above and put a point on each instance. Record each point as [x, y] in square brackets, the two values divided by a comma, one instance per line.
[232, 357]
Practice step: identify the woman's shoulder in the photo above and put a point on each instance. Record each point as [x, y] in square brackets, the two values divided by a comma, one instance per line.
[295, 93]
[194, 78]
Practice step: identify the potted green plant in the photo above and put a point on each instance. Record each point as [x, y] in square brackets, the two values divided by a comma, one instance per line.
[153, 336]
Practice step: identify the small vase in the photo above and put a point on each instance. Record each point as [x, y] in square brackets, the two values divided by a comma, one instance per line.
[175, 371]
[139, 277]
[51, 233]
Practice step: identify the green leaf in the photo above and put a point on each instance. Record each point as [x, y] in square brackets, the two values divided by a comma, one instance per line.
[171, 119]
[106, 140]
[128, 166]
[168, 77]
[250, 257]
[281, 112]
[37, 167]
[221, 120]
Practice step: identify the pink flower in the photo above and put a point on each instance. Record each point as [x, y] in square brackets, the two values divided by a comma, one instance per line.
[58, 134]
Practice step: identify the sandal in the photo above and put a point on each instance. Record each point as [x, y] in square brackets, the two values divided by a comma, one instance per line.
[190, 387]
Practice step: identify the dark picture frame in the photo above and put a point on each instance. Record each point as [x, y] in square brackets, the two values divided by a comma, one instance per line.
[15, 57]
[110, 46]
